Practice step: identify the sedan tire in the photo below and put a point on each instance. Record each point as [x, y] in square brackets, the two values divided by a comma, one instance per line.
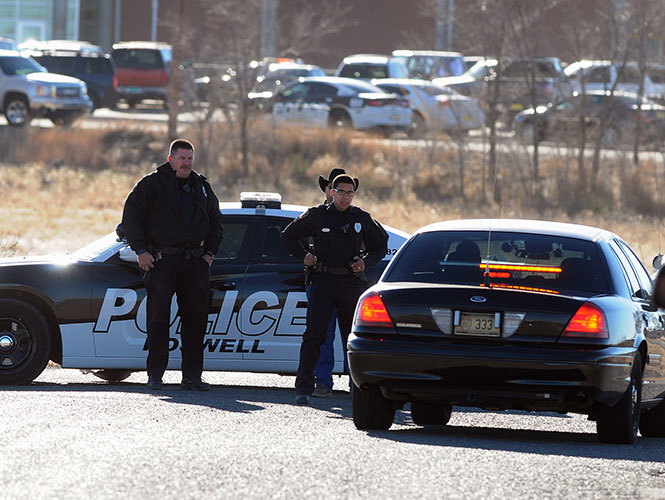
[371, 410]
[619, 423]
[431, 413]
[339, 119]
[25, 342]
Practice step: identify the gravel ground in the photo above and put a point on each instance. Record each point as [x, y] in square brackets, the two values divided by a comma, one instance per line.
[70, 435]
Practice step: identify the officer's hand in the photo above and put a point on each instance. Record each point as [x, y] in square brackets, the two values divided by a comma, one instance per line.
[310, 259]
[358, 265]
[208, 258]
[146, 261]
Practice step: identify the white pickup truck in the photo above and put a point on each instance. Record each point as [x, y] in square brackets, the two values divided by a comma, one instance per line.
[28, 91]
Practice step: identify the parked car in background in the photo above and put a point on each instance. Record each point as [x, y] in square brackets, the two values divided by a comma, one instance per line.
[280, 73]
[328, 101]
[605, 75]
[27, 90]
[436, 108]
[561, 121]
[511, 314]
[368, 67]
[522, 83]
[81, 60]
[7, 44]
[431, 64]
[143, 70]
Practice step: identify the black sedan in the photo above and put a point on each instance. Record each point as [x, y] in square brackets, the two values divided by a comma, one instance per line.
[562, 120]
[512, 314]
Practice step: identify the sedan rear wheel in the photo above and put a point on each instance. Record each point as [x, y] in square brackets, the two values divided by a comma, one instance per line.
[431, 413]
[619, 423]
[25, 342]
[371, 410]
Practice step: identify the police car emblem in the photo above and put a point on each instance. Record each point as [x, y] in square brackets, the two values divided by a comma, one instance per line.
[358, 227]
[325, 229]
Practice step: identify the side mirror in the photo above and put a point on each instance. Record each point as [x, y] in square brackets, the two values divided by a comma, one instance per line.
[657, 262]
[128, 255]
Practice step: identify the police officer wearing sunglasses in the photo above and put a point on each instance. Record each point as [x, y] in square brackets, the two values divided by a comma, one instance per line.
[346, 241]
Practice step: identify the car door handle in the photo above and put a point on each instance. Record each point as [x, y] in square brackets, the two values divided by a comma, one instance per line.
[225, 285]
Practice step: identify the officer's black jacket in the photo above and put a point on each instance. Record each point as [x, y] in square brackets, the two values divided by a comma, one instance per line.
[338, 236]
[152, 215]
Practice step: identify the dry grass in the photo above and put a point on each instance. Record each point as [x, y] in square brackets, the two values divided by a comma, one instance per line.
[64, 188]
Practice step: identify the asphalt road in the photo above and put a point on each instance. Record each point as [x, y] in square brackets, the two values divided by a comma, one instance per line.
[70, 435]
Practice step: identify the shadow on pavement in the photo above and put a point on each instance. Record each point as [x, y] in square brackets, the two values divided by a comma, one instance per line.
[538, 442]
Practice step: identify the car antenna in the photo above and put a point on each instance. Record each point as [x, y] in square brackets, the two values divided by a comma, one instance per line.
[658, 214]
[486, 274]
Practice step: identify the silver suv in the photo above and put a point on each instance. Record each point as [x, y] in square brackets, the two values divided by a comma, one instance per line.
[27, 91]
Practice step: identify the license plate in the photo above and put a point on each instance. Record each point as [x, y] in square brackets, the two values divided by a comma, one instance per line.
[466, 118]
[517, 107]
[132, 90]
[660, 114]
[480, 324]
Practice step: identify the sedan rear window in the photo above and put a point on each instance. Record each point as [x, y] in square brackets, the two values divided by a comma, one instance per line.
[521, 261]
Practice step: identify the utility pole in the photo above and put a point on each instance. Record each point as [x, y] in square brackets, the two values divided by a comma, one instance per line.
[444, 24]
[619, 38]
[155, 15]
[174, 75]
[268, 28]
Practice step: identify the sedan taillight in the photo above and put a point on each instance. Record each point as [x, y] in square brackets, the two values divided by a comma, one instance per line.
[588, 322]
[372, 312]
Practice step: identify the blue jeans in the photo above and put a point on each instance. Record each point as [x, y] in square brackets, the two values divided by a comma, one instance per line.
[326, 362]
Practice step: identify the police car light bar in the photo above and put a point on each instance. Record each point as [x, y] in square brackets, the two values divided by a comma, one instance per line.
[260, 200]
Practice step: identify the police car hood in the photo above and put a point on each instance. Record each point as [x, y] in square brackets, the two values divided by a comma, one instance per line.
[38, 259]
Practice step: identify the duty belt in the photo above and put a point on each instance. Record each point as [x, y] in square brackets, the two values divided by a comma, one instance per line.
[192, 252]
[339, 271]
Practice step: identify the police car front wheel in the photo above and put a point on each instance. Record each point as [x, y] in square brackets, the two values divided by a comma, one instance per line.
[25, 342]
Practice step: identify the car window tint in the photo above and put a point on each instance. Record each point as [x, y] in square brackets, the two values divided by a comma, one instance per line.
[517, 261]
[233, 238]
[657, 75]
[393, 89]
[369, 71]
[317, 89]
[642, 274]
[270, 247]
[94, 66]
[601, 75]
[137, 58]
[628, 75]
[62, 65]
[295, 91]
[629, 273]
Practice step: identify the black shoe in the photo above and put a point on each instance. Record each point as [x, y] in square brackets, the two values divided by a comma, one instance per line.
[192, 384]
[301, 399]
[154, 383]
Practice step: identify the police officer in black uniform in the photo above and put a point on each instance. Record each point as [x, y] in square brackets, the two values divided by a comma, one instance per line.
[172, 221]
[346, 241]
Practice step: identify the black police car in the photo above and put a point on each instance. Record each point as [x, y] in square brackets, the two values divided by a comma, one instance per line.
[510, 314]
[88, 310]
